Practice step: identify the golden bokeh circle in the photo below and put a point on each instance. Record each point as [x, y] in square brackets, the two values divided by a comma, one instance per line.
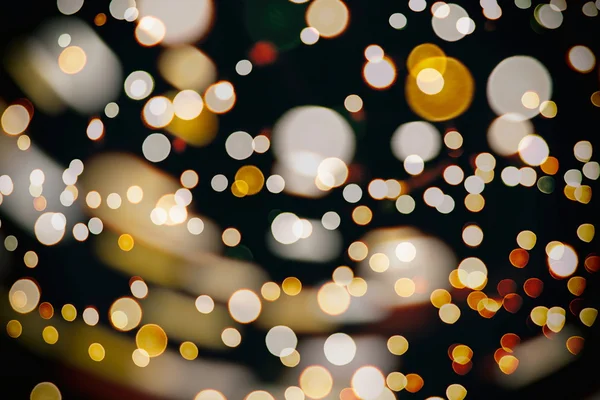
[454, 98]
[252, 176]
[151, 338]
[423, 52]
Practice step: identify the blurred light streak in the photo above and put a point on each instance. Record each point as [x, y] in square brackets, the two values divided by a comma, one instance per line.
[169, 375]
[538, 357]
[18, 206]
[33, 65]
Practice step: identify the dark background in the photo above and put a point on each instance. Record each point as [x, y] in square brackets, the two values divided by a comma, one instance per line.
[325, 74]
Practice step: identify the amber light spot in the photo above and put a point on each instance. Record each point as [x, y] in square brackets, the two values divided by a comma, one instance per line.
[100, 19]
[509, 341]
[533, 287]
[592, 264]
[575, 344]
[506, 286]
[512, 302]
[414, 383]
[519, 258]
[508, 364]
[462, 369]
[46, 310]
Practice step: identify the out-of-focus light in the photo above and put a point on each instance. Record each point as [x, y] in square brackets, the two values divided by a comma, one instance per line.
[397, 21]
[380, 74]
[581, 59]
[329, 17]
[243, 67]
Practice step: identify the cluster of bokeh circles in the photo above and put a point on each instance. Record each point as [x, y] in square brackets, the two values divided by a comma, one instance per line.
[193, 289]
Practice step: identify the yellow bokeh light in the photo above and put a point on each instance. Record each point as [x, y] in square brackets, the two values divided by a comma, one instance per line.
[526, 240]
[187, 104]
[291, 360]
[96, 352]
[454, 97]
[396, 381]
[588, 316]
[548, 109]
[362, 215]
[358, 287]
[14, 328]
[585, 232]
[576, 285]
[530, 100]
[150, 31]
[294, 393]
[342, 275]
[125, 314]
[379, 262]
[24, 295]
[291, 286]
[126, 242]
[555, 319]
[316, 382]
[239, 188]
[430, 81]
[45, 391]
[50, 335]
[188, 350]
[422, 52]
[472, 272]
[397, 345]
[333, 299]
[270, 291]
[210, 394]
[462, 354]
[69, 312]
[449, 313]
[456, 392]
[404, 287]
[72, 60]
[253, 177]
[140, 357]
[474, 202]
[220, 97]
[539, 315]
[453, 140]
[508, 364]
[358, 251]
[135, 194]
[15, 120]
[231, 237]
[152, 339]
[259, 395]
[439, 297]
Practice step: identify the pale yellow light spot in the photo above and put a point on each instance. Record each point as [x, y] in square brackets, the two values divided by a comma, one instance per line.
[72, 60]
[397, 345]
[316, 382]
[449, 313]
[404, 287]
